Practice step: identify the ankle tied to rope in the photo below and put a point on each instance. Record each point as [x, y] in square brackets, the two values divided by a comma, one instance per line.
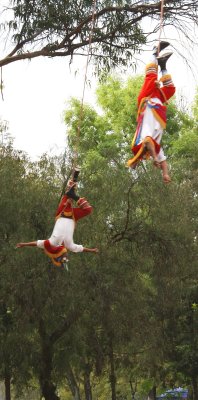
[71, 193]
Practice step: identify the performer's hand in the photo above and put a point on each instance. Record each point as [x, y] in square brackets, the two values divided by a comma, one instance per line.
[166, 178]
[19, 245]
[88, 250]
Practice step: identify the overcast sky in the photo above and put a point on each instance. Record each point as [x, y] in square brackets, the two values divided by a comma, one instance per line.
[35, 95]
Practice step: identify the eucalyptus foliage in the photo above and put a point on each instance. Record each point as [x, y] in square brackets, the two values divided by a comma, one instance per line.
[63, 28]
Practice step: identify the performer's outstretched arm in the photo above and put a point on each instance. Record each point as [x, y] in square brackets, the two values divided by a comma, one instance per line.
[34, 244]
[95, 250]
[27, 244]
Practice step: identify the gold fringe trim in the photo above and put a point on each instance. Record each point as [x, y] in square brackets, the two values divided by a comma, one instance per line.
[165, 78]
[159, 119]
[51, 255]
[151, 66]
[133, 160]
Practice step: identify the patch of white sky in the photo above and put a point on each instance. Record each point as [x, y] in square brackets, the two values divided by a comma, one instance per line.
[36, 92]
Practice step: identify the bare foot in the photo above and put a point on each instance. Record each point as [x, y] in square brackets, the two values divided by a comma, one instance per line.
[166, 178]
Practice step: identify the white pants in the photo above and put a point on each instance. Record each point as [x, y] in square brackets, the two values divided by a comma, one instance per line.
[151, 127]
[63, 234]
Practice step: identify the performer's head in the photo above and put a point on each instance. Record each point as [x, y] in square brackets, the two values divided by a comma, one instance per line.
[61, 260]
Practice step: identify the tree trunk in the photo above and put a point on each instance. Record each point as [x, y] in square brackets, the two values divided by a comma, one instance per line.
[195, 388]
[7, 385]
[73, 384]
[48, 389]
[133, 389]
[87, 384]
[112, 376]
[152, 393]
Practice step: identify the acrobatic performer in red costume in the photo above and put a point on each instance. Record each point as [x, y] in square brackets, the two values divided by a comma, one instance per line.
[152, 113]
[66, 217]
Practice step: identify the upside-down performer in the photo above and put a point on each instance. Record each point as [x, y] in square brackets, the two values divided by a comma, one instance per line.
[61, 239]
[151, 119]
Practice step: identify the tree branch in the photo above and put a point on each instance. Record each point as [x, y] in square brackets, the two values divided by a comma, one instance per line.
[131, 16]
[69, 321]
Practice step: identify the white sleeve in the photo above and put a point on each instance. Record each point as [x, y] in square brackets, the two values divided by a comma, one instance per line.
[40, 244]
[161, 156]
[75, 248]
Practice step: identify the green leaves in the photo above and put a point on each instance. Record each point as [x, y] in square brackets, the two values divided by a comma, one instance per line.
[146, 231]
[129, 311]
[51, 28]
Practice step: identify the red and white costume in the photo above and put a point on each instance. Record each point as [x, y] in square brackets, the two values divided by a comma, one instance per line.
[61, 238]
[151, 119]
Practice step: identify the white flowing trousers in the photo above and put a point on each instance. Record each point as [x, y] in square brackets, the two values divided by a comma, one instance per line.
[63, 234]
[151, 127]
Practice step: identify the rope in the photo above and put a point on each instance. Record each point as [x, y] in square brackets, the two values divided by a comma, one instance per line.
[75, 158]
[1, 84]
[84, 85]
[161, 23]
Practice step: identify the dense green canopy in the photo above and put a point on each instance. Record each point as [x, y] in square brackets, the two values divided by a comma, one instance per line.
[122, 322]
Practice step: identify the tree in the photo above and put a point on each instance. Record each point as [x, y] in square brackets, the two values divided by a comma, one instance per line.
[154, 225]
[110, 318]
[12, 169]
[25, 208]
[40, 28]
[185, 352]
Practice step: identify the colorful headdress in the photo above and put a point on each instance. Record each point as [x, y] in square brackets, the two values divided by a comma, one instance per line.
[55, 253]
